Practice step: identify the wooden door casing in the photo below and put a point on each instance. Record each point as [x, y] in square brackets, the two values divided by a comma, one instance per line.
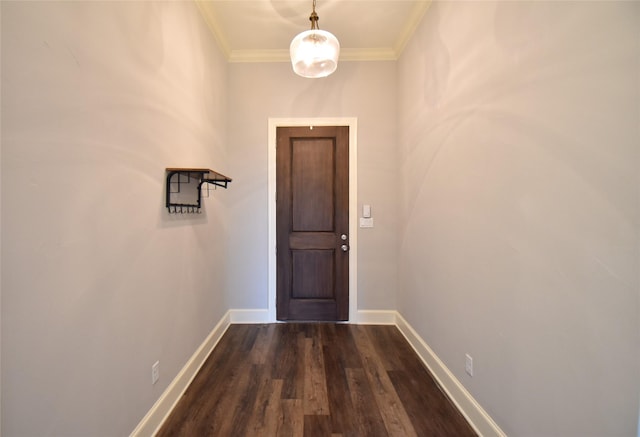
[312, 215]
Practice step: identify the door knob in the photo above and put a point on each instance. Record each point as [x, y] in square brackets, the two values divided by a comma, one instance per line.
[344, 237]
[344, 247]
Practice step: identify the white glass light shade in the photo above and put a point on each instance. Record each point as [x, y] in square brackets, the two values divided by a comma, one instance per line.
[314, 53]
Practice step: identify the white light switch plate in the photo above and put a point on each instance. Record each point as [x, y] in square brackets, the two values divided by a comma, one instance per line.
[366, 222]
[366, 211]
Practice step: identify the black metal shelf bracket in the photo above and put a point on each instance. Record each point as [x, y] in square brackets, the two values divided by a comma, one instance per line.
[185, 186]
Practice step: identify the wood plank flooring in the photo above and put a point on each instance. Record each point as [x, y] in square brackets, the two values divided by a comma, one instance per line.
[311, 379]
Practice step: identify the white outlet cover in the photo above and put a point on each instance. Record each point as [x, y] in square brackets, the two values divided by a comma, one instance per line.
[155, 372]
[468, 364]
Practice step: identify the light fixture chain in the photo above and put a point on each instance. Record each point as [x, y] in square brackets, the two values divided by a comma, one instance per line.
[314, 17]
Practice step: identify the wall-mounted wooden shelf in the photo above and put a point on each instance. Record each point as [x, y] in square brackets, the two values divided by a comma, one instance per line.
[184, 188]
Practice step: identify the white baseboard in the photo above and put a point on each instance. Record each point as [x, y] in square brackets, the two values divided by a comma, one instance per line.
[154, 419]
[375, 317]
[249, 316]
[477, 417]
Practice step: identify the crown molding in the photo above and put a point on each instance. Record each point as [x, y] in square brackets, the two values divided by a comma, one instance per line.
[419, 10]
[346, 54]
[282, 55]
[372, 54]
[274, 55]
[212, 23]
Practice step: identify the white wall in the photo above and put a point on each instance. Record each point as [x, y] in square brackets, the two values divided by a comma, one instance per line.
[98, 280]
[519, 154]
[365, 90]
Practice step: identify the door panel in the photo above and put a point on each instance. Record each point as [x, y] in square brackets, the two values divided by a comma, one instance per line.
[313, 185]
[313, 274]
[312, 212]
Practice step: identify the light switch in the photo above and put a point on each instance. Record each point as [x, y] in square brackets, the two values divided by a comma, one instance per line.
[366, 222]
[366, 211]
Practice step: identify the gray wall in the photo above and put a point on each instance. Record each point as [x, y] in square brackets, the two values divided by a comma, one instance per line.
[98, 280]
[519, 155]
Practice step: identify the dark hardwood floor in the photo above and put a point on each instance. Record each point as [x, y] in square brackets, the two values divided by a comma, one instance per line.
[308, 379]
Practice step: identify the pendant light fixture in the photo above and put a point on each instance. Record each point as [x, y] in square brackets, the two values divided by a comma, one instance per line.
[314, 53]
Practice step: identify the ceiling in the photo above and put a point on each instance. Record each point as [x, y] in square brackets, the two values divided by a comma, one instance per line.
[261, 30]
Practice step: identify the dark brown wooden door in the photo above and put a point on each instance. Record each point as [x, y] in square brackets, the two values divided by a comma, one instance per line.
[312, 223]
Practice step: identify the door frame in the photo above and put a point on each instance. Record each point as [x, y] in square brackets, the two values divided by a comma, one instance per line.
[352, 122]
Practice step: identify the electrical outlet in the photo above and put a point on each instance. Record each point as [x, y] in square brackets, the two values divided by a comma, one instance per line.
[468, 364]
[155, 372]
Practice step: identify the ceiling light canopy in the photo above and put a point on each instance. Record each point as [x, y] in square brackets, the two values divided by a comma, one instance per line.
[314, 53]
